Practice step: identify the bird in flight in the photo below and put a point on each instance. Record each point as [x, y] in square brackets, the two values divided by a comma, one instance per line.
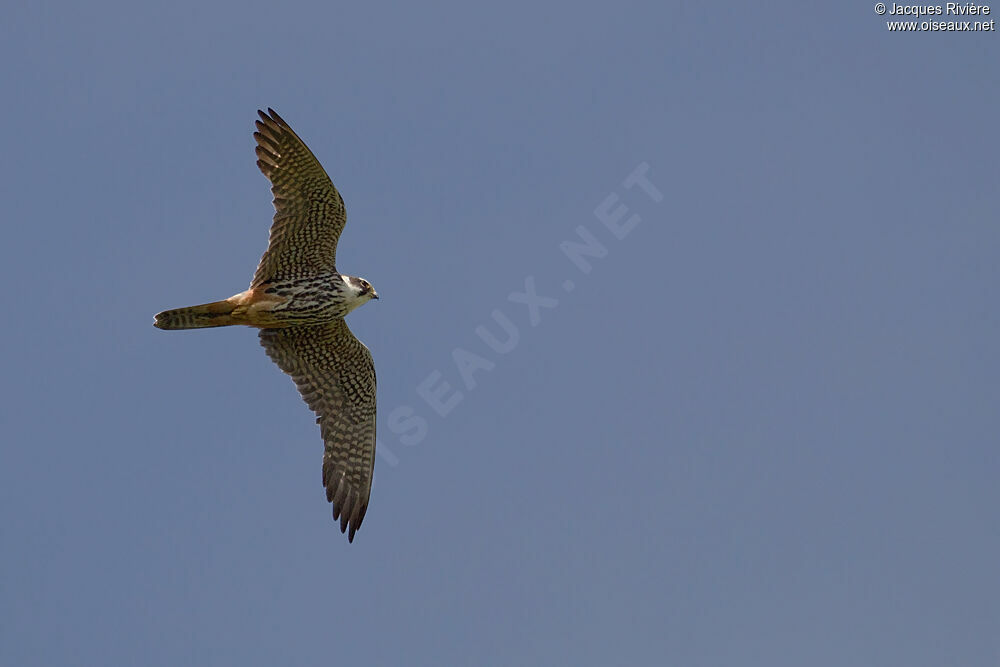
[298, 300]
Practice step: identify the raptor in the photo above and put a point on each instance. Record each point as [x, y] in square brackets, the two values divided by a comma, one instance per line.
[298, 300]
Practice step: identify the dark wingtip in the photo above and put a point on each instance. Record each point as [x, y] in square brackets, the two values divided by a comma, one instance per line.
[276, 118]
[348, 524]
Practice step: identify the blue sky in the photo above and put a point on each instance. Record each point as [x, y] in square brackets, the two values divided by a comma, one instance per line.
[757, 431]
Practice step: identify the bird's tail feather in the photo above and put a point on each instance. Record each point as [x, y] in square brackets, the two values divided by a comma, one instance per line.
[215, 314]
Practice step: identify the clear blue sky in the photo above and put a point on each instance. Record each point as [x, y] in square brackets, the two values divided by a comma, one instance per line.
[761, 430]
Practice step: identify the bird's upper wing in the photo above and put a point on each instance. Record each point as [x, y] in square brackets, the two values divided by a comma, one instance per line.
[309, 214]
[336, 376]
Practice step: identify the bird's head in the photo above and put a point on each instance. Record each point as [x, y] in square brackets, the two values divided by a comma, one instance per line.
[360, 290]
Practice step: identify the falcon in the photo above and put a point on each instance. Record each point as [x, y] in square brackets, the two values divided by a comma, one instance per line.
[298, 300]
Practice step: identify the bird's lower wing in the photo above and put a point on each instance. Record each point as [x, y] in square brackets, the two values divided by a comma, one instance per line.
[335, 374]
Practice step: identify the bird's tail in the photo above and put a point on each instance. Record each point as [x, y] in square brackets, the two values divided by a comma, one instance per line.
[216, 314]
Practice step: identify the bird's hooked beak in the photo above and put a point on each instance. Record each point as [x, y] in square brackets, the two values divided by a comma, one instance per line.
[374, 294]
